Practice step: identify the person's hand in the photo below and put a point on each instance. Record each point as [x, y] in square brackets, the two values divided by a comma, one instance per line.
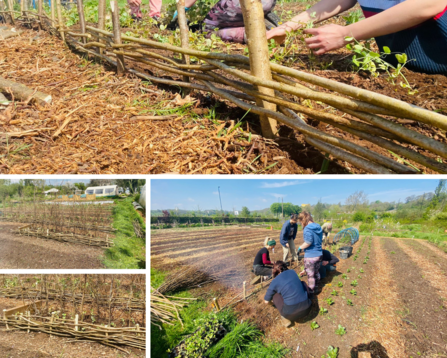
[325, 263]
[133, 2]
[176, 12]
[278, 34]
[287, 245]
[299, 250]
[326, 38]
[303, 273]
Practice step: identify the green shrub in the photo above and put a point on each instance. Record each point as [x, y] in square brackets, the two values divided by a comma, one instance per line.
[358, 217]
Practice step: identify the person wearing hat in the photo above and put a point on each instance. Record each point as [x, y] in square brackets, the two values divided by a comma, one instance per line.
[327, 228]
[262, 264]
[287, 237]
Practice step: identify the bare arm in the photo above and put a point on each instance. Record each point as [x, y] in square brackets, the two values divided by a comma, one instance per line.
[400, 17]
[304, 246]
[189, 3]
[323, 10]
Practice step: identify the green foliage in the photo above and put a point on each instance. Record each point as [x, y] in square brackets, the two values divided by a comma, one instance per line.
[202, 339]
[340, 284]
[323, 311]
[128, 251]
[358, 216]
[367, 60]
[329, 301]
[353, 292]
[289, 208]
[344, 276]
[331, 353]
[361, 270]
[349, 302]
[245, 213]
[353, 17]
[157, 277]
[314, 325]
[334, 293]
[354, 283]
[340, 330]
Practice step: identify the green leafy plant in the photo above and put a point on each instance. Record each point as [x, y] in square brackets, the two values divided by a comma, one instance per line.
[348, 270]
[353, 17]
[349, 302]
[340, 330]
[331, 352]
[334, 293]
[354, 283]
[329, 301]
[314, 325]
[353, 292]
[323, 311]
[367, 60]
[344, 276]
[361, 270]
[340, 284]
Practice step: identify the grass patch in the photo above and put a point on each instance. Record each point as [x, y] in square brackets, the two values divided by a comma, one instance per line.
[129, 251]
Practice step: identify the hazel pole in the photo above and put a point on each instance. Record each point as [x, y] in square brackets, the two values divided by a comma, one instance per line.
[117, 36]
[53, 14]
[80, 6]
[184, 36]
[253, 15]
[11, 11]
[59, 19]
[101, 20]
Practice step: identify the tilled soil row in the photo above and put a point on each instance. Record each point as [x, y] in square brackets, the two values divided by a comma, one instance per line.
[207, 235]
[422, 310]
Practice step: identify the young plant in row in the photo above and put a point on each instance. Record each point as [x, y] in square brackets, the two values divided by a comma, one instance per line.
[340, 330]
[329, 301]
[314, 325]
[349, 302]
[331, 353]
[334, 293]
[353, 292]
[354, 283]
[323, 311]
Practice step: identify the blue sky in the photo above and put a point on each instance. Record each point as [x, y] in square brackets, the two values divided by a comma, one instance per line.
[257, 194]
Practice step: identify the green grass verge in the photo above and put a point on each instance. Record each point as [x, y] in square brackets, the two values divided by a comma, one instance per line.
[242, 340]
[129, 250]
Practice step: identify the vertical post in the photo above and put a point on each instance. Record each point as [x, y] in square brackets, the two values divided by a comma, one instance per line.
[11, 13]
[101, 19]
[53, 14]
[216, 304]
[138, 329]
[80, 6]
[4, 317]
[59, 19]
[117, 36]
[244, 289]
[51, 322]
[253, 15]
[28, 313]
[2, 5]
[40, 8]
[184, 37]
[76, 322]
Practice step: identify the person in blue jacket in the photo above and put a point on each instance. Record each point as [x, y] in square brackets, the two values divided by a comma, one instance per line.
[313, 253]
[289, 294]
[287, 238]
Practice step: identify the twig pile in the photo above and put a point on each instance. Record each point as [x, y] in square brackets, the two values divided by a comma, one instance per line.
[164, 309]
[186, 277]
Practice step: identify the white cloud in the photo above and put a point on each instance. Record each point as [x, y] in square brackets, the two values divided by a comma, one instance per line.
[278, 195]
[399, 192]
[215, 192]
[269, 185]
[190, 199]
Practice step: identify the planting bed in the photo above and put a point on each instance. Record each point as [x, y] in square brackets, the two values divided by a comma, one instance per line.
[60, 308]
[398, 307]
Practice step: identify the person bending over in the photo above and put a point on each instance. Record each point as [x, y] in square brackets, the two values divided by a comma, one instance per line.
[287, 238]
[417, 28]
[289, 294]
[135, 10]
[313, 254]
[328, 264]
[226, 20]
[262, 263]
[327, 228]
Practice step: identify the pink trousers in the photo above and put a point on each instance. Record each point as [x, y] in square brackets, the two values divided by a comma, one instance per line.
[136, 11]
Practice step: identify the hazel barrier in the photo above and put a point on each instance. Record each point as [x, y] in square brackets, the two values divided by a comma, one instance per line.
[372, 117]
[134, 337]
[127, 303]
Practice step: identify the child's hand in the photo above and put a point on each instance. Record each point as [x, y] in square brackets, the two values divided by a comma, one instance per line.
[326, 38]
[278, 34]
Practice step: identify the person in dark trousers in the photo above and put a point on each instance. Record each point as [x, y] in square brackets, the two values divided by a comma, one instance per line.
[262, 266]
[313, 253]
[289, 294]
[287, 238]
[328, 264]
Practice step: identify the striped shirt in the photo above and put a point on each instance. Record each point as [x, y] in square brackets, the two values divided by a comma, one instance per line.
[424, 44]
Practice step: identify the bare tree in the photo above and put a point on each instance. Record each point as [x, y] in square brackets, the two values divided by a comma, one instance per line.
[357, 200]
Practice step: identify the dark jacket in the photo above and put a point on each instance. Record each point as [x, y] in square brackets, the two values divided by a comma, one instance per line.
[332, 259]
[288, 232]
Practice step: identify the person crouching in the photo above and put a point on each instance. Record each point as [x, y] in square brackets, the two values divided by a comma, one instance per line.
[289, 294]
[262, 261]
[328, 263]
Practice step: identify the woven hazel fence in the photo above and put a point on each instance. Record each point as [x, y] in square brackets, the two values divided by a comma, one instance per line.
[271, 90]
[126, 303]
[114, 337]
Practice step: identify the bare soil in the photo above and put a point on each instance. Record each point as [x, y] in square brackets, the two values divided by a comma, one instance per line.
[420, 317]
[23, 252]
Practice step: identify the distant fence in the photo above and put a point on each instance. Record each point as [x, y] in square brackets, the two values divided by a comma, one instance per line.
[202, 221]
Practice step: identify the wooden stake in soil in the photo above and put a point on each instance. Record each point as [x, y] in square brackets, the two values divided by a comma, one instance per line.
[259, 58]
[53, 15]
[80, 6]
[59, 19]
[244, 289]
[39, 8]
[184, 36]
[117, 36]
[101, 20]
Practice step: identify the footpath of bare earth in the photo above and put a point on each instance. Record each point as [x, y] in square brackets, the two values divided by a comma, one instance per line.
[399, 304]
[28, 252]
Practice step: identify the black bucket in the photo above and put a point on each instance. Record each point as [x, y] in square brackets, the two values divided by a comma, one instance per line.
[347, 248]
